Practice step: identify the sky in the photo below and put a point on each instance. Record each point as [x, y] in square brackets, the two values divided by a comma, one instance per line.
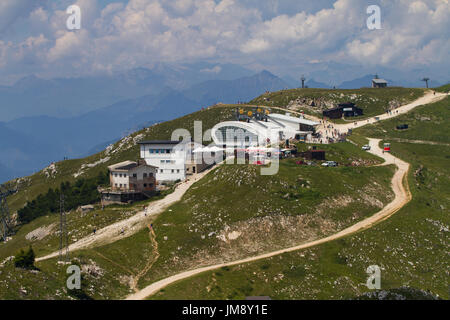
[321, 38]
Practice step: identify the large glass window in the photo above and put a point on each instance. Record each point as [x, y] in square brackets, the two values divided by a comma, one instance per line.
[236, 136]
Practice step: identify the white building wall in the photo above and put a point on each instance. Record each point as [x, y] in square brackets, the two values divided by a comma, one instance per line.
[290, 126]
[139, 171]
[171, 166]
[119, 179]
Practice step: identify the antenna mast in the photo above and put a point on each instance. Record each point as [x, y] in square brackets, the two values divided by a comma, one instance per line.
[303, 81]
[63, 237]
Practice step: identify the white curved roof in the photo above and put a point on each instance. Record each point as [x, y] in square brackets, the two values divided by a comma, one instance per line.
[284, 117]
[276, 124]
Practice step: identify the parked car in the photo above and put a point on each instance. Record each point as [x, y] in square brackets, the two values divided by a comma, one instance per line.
[402, 127]
[330, 164]
[366, 147]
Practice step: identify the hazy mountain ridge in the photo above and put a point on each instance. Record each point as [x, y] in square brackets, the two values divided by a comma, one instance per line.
[70, 97]
[56, 138]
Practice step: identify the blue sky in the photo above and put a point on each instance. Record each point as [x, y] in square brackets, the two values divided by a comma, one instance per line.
[324, 39]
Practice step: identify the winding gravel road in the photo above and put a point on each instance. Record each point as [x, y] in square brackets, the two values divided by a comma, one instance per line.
[402, 197]
[111, 233]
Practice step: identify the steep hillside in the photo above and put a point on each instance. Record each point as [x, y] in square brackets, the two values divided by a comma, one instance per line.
[202, 224]
[74, 136]
[232, 212]
[124, 149]
[410, 247]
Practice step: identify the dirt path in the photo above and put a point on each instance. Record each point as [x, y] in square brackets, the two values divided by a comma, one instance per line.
[151, 261]
[133, 224]
[428, 98]
[402, 197]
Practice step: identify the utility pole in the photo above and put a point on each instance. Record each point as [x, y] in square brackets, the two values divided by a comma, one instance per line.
[63, 237]
[303, 81]
[426, 81]
[5, 219]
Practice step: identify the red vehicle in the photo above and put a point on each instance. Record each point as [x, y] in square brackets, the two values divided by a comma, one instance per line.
[387, 147]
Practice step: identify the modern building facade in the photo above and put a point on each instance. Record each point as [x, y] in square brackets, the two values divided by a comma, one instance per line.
[253, 132]
[174, 159]
[169, 156]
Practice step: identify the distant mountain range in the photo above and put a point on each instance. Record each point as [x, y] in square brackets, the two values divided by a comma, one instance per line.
[63, 98]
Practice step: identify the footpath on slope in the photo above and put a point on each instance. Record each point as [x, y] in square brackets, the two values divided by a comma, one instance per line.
[130, 226]
[402, 197]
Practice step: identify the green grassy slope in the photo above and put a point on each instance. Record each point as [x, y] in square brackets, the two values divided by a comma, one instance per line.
[125, 149]
[233, 196]
[235, 212]
[78, 226]
[444, 88]
[298, 196]
[372, 101]
[410, 247]
[429, 123]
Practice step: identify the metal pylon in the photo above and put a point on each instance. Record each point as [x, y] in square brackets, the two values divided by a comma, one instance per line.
[63, 236]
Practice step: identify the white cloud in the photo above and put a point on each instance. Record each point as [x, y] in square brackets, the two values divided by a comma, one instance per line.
[215, 69]
[273, 33]
[69, 46]
[10, 10]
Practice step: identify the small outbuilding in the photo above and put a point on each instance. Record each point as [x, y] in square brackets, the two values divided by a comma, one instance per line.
[379, 83]
[130, 181]
[348, 109]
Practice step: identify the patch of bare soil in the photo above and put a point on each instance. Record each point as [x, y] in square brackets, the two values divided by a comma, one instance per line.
[40, 233]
